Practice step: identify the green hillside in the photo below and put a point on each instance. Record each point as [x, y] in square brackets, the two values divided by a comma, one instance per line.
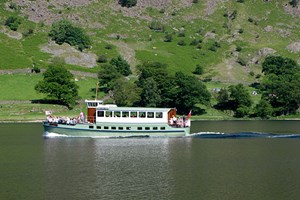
[229, 39]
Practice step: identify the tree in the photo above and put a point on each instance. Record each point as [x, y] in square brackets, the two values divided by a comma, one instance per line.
[281, 84]
[239, 96]
[223, 100]
[189, 91]
[121, 65]
[64, 31]
[127, 3]
[125, 93]
[158, 71]
[59, 84]
[263, 109]
[279, 65]
[150, 96]
[107, 75]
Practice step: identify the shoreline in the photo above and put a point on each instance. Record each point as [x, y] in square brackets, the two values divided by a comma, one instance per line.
[197, 119]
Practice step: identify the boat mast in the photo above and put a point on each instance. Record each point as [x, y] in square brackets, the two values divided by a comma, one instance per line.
[97, 85]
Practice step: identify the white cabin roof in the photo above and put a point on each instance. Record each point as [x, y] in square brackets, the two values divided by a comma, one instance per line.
[133, 109]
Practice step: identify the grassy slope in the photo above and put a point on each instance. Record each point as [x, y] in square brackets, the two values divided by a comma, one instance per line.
[149, 45]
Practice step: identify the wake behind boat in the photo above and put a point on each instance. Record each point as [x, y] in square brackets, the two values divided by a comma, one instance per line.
[112, 121]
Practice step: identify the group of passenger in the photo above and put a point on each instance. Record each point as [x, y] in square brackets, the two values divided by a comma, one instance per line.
[179, 122]
[66, 120]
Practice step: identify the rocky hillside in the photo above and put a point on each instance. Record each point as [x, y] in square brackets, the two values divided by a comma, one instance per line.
[229, 39]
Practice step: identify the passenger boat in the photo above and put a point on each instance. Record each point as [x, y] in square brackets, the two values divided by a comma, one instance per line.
[105, 120]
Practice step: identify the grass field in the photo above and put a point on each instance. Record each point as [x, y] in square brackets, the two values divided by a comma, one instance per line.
[21, 87]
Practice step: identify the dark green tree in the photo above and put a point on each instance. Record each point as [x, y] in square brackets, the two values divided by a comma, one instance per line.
[59, 84]
[263, 109]
[281, 84]
[121, 65]
[64, 31]
[239, 96]
[125, 93]
[107, 75]
[158, 71]
[189, 91]
[279, 65]
[150, 96]
[223, 100]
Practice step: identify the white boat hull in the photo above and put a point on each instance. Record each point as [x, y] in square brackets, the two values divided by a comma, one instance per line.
[115, 130]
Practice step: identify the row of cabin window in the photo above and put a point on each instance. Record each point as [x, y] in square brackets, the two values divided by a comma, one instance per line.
[127, 128]
[125, 114]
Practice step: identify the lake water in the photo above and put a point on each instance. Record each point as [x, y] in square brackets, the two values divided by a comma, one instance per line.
[221, 160]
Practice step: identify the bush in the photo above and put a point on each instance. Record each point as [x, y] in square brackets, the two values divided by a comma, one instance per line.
[195, 42]
[294, 3]
[14, 6]
[238, 49]
[64, 31]
[181, 43]
[13, 23]
[127, 3]
[35, 69]
[198, 70]
[181, 34]
[241, 61]
[28, 32]
[102, 59]
[109, 47]
[157, 26]
[168, 38]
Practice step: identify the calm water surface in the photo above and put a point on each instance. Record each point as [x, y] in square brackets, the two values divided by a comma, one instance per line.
[255, 166]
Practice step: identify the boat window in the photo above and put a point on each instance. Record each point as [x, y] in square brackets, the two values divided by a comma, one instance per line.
[133, 114]
[100, 113]
[105, 127]
[162, 128]
[142, 114]
[154, 128]
[113, 128]
[117, 114]
[150, 114]
[125, 114]
[128, 128]
[158, 114]
[91, 126]
[92, 104]
[140, 128]
[98, 127]
[120, 128]
[108, 113]
[147, 128]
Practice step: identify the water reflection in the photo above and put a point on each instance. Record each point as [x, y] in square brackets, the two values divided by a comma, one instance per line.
[111, 168]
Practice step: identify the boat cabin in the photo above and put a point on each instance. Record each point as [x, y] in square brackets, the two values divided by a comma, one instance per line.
[91, 109]
[110, 113]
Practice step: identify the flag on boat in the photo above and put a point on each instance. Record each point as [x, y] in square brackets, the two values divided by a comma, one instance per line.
[48, 112]
[190, 114]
